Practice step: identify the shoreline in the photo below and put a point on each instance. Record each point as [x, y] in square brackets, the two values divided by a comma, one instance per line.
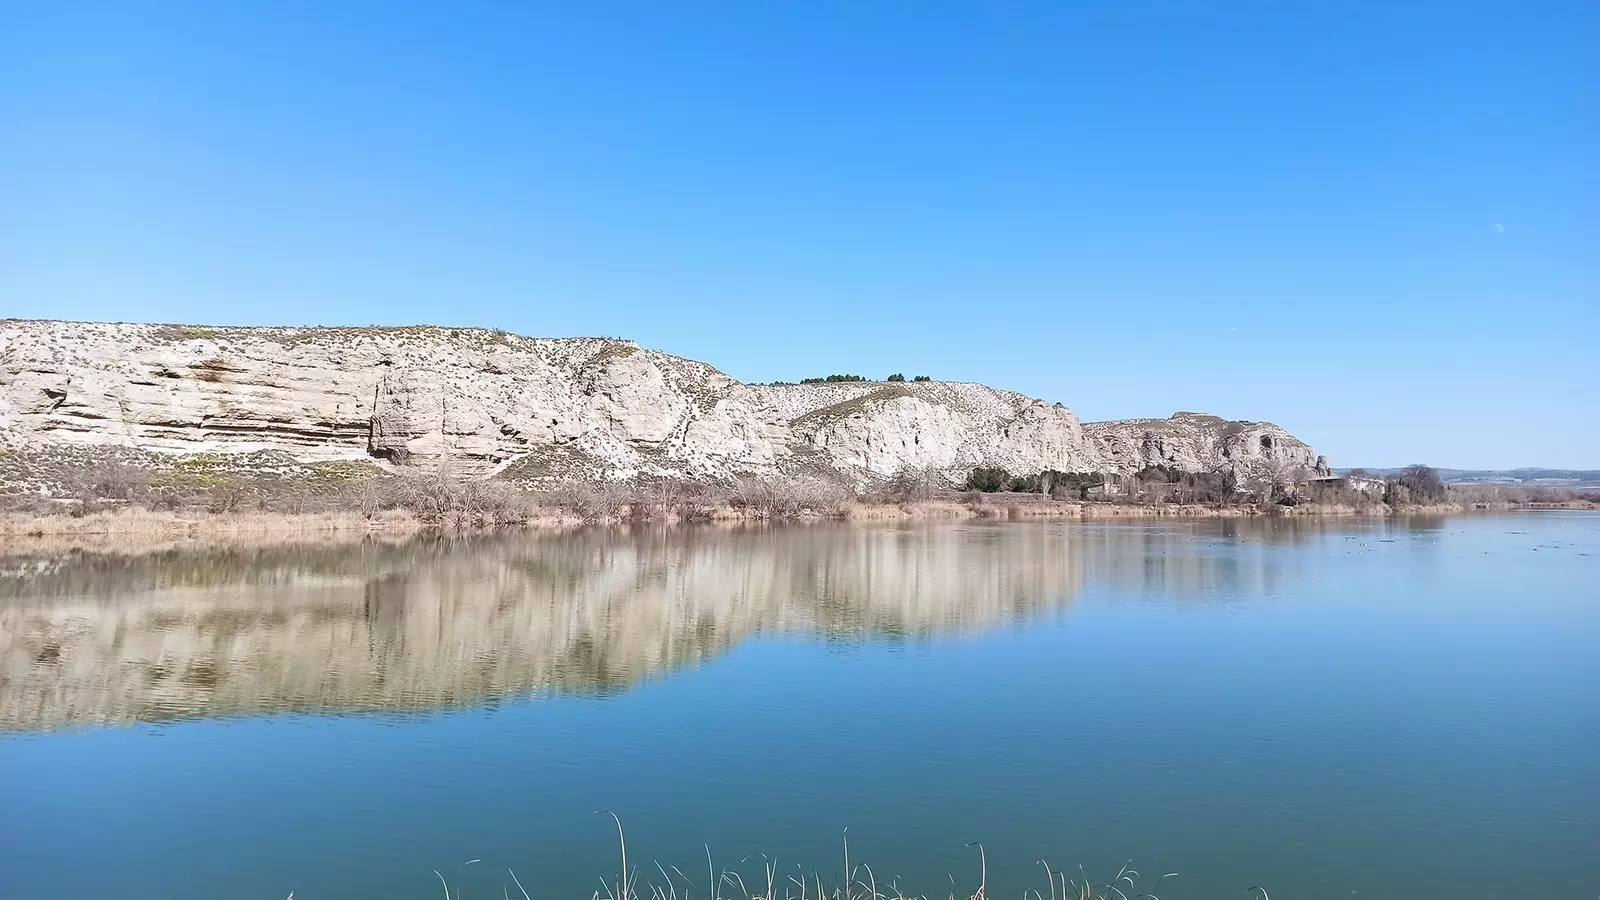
[136, 526]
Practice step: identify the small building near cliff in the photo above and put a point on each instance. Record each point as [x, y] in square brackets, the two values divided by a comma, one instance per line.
[1364, 484]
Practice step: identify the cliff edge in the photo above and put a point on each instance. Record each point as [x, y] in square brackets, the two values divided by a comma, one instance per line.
[545, 409]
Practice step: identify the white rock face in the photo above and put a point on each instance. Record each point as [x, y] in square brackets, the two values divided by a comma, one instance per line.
[1194, 442]
[884, 428]
[480, 401]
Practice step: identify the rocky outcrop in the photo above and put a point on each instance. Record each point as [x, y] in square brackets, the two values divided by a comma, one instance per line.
[476, 399]
[483, 402]
[1194, 442]
[883, 428]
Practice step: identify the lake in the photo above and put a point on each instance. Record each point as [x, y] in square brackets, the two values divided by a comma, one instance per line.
[1328, 708]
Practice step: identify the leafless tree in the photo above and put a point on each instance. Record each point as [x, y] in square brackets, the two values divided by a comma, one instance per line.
[916, 483]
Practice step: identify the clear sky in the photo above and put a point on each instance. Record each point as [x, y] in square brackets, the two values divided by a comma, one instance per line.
[1377, 224]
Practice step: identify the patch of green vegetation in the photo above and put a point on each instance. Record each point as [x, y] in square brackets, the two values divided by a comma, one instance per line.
[988, 479]
[199, 461]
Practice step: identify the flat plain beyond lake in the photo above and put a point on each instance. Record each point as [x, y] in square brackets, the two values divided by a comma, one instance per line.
[1327, 707]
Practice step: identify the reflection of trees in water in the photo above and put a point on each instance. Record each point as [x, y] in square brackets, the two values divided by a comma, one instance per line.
[433, 622]
[1218, 560]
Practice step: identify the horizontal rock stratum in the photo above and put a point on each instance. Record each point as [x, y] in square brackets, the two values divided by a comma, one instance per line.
[481, 401]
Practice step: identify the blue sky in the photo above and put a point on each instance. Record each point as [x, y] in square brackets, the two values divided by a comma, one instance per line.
[1373, 223]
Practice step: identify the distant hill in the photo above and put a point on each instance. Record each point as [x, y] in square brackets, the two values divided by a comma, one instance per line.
[1581, 478]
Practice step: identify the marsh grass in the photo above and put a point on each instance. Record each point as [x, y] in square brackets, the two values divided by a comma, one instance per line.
[763, 877]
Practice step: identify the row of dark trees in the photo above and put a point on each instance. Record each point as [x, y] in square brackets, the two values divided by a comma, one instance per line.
[1053, 482]
[833, 379]
[838, 379]
[1416, 485]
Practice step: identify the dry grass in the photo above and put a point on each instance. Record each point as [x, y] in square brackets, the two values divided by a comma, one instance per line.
[764, 877]
[918, 510]
[141, 521]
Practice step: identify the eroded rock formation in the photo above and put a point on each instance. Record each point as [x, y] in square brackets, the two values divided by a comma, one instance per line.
[483, 401]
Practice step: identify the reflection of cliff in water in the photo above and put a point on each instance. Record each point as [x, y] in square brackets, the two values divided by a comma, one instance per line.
[436, 622]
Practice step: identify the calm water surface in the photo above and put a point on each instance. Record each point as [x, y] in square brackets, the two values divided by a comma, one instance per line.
[1331, 709]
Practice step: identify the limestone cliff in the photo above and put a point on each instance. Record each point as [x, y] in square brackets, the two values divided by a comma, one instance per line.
[484, 401]
[1193, 442]
[882, 428]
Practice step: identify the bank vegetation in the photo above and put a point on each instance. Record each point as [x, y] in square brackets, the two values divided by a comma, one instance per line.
[115, 497]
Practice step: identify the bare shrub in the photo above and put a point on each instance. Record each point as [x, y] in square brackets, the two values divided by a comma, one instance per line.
[782, 498]
[27, 503]
[1342, 496]
[227, 495]
[1417, 484]
[981, 505]
[594, 501]
[685, 501]
[295, 499]
[1510, 494]
[113, 481]
[367, 496]
[439, 499]
[1280, 477]
[672, 499]
[916, 483]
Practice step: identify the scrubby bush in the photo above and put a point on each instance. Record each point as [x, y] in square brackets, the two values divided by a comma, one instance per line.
[913, 483]
[896, 377]
[113, 481]
[1071, 485]
[227, 495]
[438, 499]
[1417, 484]
[1024, 484]
[1215, 487]
[779, 498]
[675, 499]
[922, 378]
[594, 501]
[1159, 474]
[988, 480]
